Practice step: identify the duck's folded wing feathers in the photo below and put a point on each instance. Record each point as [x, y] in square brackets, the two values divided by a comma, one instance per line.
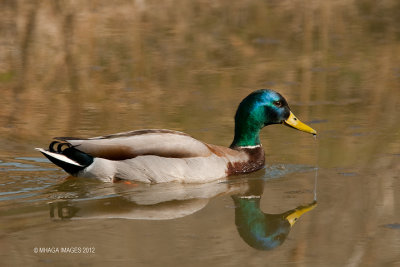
[164, 143]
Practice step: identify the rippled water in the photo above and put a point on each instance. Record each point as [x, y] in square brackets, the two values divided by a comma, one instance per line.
[88, 69]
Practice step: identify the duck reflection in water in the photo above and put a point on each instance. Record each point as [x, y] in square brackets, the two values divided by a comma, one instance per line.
[260, 230]
[135, 202]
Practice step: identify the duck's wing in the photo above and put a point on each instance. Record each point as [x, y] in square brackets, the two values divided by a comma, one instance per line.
[164, 143]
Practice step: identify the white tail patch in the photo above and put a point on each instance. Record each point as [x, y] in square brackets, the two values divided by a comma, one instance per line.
[59, 157]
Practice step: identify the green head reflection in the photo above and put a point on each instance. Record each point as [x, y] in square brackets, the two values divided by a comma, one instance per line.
[261, 230]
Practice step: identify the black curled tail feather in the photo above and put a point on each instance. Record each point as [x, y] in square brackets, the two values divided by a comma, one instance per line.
[59, 146]
[63, 148]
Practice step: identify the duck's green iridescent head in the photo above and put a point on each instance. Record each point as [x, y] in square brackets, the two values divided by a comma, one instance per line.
[259, 109]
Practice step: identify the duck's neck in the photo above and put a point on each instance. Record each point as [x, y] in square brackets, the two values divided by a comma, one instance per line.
[246, 135]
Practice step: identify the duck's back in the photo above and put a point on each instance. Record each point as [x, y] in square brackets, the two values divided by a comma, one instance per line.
[127, 145]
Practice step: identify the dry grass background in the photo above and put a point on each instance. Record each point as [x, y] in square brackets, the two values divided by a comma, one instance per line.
[62, 59]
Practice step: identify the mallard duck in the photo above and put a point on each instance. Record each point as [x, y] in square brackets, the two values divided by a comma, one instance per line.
[156, 156]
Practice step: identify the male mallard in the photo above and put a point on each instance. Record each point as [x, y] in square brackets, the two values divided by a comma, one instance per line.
[156, 156]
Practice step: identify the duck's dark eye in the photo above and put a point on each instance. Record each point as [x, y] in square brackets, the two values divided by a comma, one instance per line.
[278, 104]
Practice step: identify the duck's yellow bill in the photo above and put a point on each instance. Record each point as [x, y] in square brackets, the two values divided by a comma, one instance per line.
[296, 213]
[294, 122]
